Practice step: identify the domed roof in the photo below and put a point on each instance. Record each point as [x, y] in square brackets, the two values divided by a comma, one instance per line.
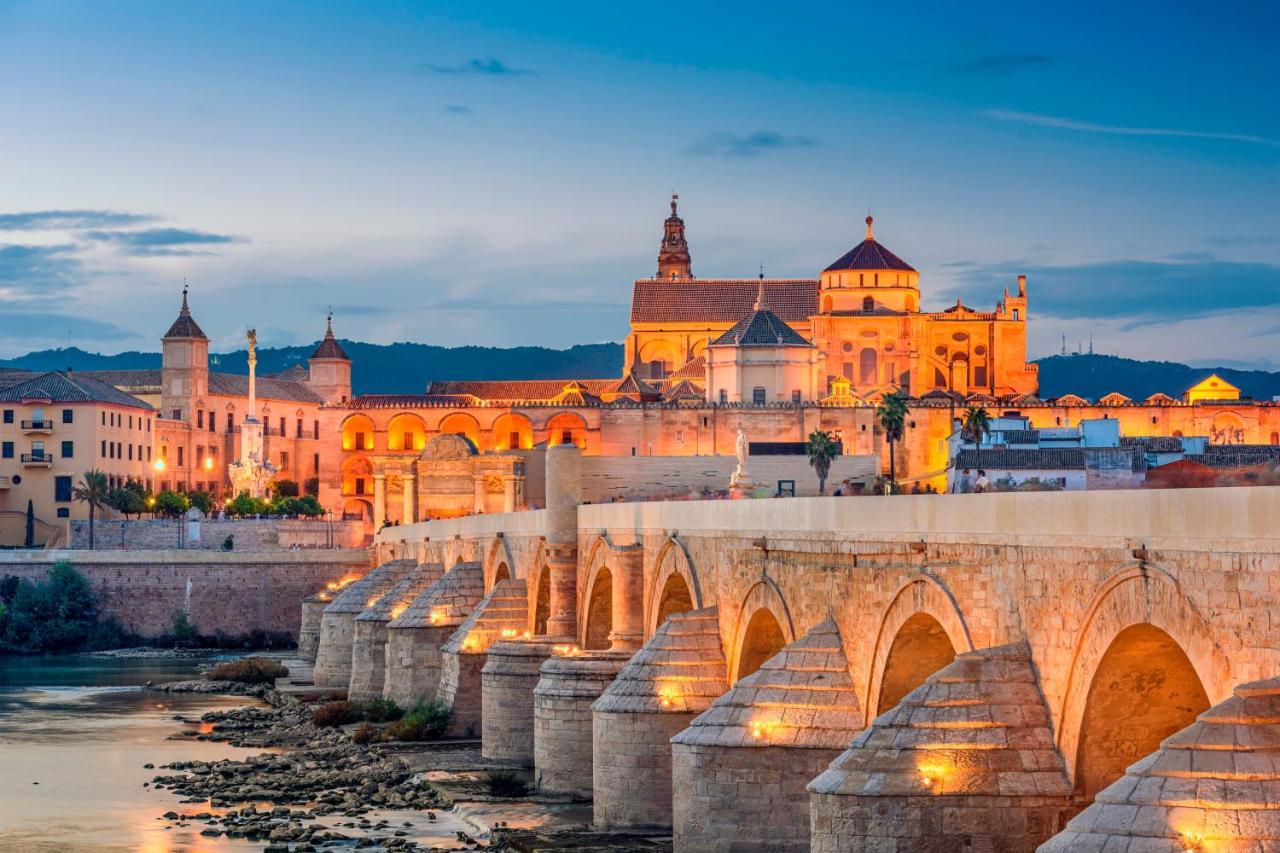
[329, 347]
[761, 328]
[870, 255]
[185, 326]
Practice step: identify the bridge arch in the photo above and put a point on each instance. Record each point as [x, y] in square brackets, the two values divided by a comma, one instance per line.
[597, 606]
[498, 563]
[1140, 631]
[921, 631]
[764, 626]
[675, 587]
[539, 587]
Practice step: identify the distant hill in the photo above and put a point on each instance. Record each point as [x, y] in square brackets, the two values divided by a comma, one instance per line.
[407, 368]
[1092, 376]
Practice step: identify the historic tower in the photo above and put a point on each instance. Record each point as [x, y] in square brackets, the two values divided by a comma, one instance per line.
[673, 257]
[329, 369]
[184, 367]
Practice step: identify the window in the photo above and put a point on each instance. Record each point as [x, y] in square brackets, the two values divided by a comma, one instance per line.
[104, 418]
[868, 303]
[566, 436]
[180, 449]
[62, 489]
[177, 414]
[200, 419]
[231, 422]
[6, 450]
[299, 427]
[406, 440]
[359, 485]
[315, 462]
[360, 441]
[867, 366]
[513, 441]
[199, 453]
[103, 452]
[282, 426]
[68, 449]
[37, 450]
[724, 398]
[213, 422]
[1015, 315]
[316, 427]
[757, 396]
[148, 424]
[8, 416]
[67, 415]
[795, 396]
[148, 454]
[64, 512]
[284, 459]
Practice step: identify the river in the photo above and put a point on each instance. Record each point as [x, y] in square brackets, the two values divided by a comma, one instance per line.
[75, 732]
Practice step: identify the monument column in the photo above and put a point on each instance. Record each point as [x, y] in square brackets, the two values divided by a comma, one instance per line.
[410, 502]
[628, 599]
[564, 494]
[379, 500]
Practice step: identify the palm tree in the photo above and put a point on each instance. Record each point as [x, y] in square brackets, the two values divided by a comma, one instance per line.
[822, 447]
[92, 491]
[977, 424]
[893, 420]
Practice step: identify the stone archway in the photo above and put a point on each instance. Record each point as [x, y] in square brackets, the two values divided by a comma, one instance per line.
[674, 588]
[541, 602]
[919, 649]
[598, 615]
[497, 563]
[921, 594]
[764, 626]
[1144, 690]
[1144, 595]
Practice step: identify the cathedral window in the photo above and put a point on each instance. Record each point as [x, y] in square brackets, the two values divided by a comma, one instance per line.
[757, 396]
[847, 347]
[867, 366]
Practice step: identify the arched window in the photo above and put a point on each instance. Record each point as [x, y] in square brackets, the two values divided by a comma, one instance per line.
[867, 366]
[1015, 315]
[868, 303]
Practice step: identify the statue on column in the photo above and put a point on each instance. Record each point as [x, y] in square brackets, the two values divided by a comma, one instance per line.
[251, 472]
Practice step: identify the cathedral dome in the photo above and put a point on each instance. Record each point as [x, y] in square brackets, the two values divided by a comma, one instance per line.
[870, 255]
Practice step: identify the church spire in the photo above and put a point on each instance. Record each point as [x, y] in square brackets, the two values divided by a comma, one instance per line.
[185, 325]
[760, 291]
[870, 234]
[673, 256]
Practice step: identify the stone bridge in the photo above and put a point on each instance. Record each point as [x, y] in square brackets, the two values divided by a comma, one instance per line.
[1002, 672]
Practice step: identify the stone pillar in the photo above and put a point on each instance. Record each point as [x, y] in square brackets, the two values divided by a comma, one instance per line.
[507, 682]
[675, 677]
[741, 769]
[415, 637]
[562, 740]
[628, 599]
[309, 634]
[505, 608]
[478, 503]
[508, 494]
[379, 500]
[995, 781]
[564, 494]
[337, 623]
[410, 515]
[369, 648]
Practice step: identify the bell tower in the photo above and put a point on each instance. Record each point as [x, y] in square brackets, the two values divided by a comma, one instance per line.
[184, 368]
[329, 368]
[673, 256]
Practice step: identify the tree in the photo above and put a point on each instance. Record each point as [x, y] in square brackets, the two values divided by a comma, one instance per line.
[202, 501]
[92, 491]
[128, 501]
[893, 420]
[822, 448]
[54, 615]
[312, 486]
[977, 424]
[245, 504]
[29, 539]
[171, 504]
[285, 488]
[308, 505]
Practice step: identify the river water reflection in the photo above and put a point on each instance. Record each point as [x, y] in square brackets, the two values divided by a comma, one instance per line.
[75, 732]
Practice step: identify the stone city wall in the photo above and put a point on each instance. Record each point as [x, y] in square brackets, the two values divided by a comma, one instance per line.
[235, 592]
[250, 534]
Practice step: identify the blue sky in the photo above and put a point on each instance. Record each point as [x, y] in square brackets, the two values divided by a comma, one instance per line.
[498, 173]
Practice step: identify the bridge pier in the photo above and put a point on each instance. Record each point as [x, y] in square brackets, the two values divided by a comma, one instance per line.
[672, 679]
[562, 719]
[1214, 786]
[369, 643]
[337, 623]
[416, 636]
[309, 632]
[742, 767]
[463, 657]
[508, 679]
[965, 761]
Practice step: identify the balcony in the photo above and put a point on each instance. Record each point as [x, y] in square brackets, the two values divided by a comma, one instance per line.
[37, 460]
[43, 425]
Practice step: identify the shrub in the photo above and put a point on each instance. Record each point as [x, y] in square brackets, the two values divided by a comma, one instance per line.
[201, 500]
[171, 504]
[285, 488]
[504, 783]
[249, 671]
[336, 714]
[308, 505]
[364, 734]
[182, 631]
[421, 722]
[245, 504]
[382, 711]
[50, 616]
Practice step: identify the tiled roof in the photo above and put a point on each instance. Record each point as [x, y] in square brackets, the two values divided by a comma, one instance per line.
[235, 385]
[516, 389]
[870, 255]
[1021, 436]
[631, 384]
[297, 373]
[720, 300]
[139, 381]
[329, 347]
[69, 388]
[185, 326]
[1238, 459]
[1237, 449]
[683, 390]
[694, 368]
[762, 328]
[1153, 443]
[367, 590]
[1047, 458]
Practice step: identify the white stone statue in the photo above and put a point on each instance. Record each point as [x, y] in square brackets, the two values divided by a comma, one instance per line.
[741, 448]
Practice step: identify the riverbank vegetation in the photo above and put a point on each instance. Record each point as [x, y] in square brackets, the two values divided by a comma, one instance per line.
[249, 671]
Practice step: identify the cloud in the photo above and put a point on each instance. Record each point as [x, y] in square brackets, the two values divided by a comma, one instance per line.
[1040, 120]
[457, 109]
[731, 145]
[51, 326]
[162, 242]
[30, 271]
[1005, 63]
[48, 220]
[489, 67]
[1136, 292]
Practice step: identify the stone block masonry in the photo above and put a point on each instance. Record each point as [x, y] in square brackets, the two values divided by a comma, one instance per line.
[416, 636]
[562, 719]
[338, 622]
[504, 609]
[507, 682]
[234, 593]
[369, 646]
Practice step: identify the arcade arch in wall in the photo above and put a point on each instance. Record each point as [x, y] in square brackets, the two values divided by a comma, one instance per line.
[764, 626]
